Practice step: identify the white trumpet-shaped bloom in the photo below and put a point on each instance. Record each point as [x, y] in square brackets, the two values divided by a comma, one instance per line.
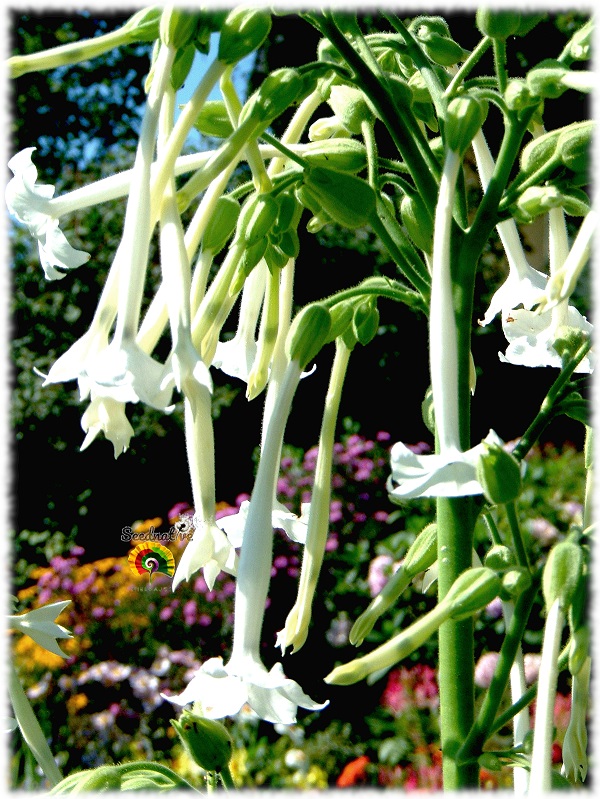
[29, 202]
[295, 527]
[222, 689]
[40, 625]
[531, 338]
[209, 549]
[106, 415]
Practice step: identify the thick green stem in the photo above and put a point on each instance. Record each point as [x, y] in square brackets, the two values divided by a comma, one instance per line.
[455, 524]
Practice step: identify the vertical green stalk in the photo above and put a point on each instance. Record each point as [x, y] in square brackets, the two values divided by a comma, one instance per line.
[455, 524]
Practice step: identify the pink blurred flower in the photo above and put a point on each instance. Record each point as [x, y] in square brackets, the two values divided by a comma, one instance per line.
[484, 670]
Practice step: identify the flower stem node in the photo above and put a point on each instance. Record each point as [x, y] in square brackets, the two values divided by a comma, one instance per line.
[561, 574]
[242, 32]
[308, 333]
[464, 117]
[471, 591]
[207, 740]
[499, 474]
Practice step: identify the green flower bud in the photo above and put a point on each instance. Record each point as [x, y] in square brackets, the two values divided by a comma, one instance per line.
[443, 51]
[207, 740]
[471, 591]
[276, 93]
[341, 155]
[497, 24]
[341, 320]
[418, 87]
[418, 221]
[221, 224]
[514, 582]
[257, 217]
[561, 574]
[573, 145]
[347, 199]
[307, 334]
[540, 150]
[143, 26]
[465, 115]
[177, 27]
[422, 553]
[489, 761]
[536, 200]
[242, 32]
[517, 96]
[289, 212]
[499, 558]
[499, 474]
[580, 44]
[423, 26]
[365, 322]
[349, 106]
[213, 120]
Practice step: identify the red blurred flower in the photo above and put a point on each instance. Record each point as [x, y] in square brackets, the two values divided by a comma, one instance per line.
[353, 772]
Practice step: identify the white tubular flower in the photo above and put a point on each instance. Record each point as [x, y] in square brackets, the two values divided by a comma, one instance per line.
[295, 527]
[574, 748]
[236, 357]
[40, 625]
[452, 472]
[220, 689]
[106, 415]
[531, 338]
[524, 284]
[29, 202]
[210, 550]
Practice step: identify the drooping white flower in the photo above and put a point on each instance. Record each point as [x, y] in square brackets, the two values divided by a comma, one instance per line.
[574, 749]
[209, 549]
[531, 338]
[40, 624]
[294, 526]
[106, 415]
[524, 284]
[29, 202]
[451, 472]
[222, 689]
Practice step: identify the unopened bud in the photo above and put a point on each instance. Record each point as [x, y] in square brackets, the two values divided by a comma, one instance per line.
[341, 320]
[207, 740]
[499, 558]
[497, 24]
[465, 116]
[143, 26]
[347, 199]
[341, 155]
[514, 582]
[221, 224]
[307, 334]
[499, 473]
[471, 591]
[177, 27]
[242, 32]
[365, 322]
[182, 65]
[573, 145]
[562, 573]
[213, 120]
[422, 553]
[277, 92]
[257, 217]
[350, 107]
[418, 221]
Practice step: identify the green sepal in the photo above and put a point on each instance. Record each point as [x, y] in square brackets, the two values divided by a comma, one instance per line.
[499, 558]
[499, 474]
[464, 117]
[221, 224]
[497, 24]
[365, 321]
[178, 27]
[422, 553]
[514, 582]
[418, 221]
[213, 120]
[182, 65]
[471, 591]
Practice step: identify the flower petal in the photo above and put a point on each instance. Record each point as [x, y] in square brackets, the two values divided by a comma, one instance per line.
[452, 474]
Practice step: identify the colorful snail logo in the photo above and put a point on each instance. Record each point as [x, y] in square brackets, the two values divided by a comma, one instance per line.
[151, 558]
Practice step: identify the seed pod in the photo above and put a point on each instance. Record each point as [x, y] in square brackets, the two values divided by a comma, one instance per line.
[497, 24]
[177, 27]
[471, 591]
[499, 558]
[307, 334]
[213, 120]
[257, 217]
[562, 573]
[242, 32]
[347, 199]
[221, 224]
[465, 115]
[422, 553]
[499, 474]
[418, 221]
[207, 740]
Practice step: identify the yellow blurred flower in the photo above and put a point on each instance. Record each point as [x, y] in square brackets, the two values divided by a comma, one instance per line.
[147, 525]
[238, 766]
[75, 703]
